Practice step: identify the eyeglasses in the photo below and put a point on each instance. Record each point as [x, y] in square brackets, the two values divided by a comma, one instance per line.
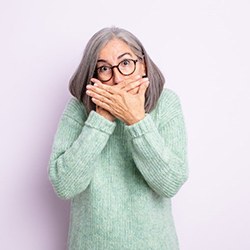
[126, 67]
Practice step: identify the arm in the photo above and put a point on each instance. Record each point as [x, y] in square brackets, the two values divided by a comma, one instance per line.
[76, 147]
[160, 153]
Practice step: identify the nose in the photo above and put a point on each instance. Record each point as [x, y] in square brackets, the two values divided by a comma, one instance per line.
[117, 76]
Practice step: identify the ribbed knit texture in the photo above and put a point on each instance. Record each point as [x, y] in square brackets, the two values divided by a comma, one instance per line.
[120, 178]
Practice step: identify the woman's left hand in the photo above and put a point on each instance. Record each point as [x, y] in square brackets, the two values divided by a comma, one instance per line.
[125, 106]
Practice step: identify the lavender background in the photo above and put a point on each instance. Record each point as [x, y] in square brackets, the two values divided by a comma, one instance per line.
[203, 49]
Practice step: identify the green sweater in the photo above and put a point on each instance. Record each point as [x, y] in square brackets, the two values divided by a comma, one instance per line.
[120, 178]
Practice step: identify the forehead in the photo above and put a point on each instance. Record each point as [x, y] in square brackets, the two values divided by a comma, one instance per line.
[113, 49]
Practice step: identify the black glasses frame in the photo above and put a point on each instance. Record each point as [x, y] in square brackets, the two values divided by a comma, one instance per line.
[117, 66]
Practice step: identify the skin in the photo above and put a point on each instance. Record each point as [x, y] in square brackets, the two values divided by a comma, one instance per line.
[122, 97]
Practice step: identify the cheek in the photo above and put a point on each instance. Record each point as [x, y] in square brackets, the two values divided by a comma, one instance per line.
[141, 70]
[110, 83]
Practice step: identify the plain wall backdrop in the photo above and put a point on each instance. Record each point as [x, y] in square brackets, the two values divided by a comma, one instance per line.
[202, 47]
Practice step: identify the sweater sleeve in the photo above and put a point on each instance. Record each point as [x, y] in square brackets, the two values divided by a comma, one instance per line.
[77, 144]
[160, 152]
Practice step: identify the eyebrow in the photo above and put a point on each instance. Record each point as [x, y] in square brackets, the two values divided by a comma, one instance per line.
[119, 57]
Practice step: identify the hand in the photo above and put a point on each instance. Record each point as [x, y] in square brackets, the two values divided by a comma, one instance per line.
[131, 85]
[105, 113]
[116, 100]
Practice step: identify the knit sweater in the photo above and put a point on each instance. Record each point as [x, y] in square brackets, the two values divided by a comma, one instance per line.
[120, 178]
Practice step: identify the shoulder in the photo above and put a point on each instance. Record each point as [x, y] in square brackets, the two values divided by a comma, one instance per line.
[169, 96]
[168, 105]
[75, 110]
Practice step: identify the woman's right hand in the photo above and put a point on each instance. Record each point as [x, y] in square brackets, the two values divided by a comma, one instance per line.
[106, 114]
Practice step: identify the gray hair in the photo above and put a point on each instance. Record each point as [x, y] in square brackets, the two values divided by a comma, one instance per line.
[86, 69]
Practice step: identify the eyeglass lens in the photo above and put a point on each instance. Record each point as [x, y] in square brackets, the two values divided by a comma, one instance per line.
[125, 67]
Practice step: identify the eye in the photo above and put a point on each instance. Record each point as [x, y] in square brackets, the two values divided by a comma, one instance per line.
[103, 69]
[126, 62]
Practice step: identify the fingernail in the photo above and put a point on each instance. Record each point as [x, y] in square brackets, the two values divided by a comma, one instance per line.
[96, 84]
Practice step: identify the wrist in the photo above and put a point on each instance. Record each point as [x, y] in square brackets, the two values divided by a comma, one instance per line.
[135, 120]
[104, 113]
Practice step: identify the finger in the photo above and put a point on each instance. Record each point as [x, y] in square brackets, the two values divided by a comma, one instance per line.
[96, 89]
[108, 88]
[94, 80]
[135, 84]
[133, 91]
[101, 98]
[124, 83]
[143, 88]
[101, 104]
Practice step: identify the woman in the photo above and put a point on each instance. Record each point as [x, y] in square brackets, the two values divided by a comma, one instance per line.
[119, 152]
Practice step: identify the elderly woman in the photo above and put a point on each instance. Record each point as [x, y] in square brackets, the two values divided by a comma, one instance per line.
[119, 152]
